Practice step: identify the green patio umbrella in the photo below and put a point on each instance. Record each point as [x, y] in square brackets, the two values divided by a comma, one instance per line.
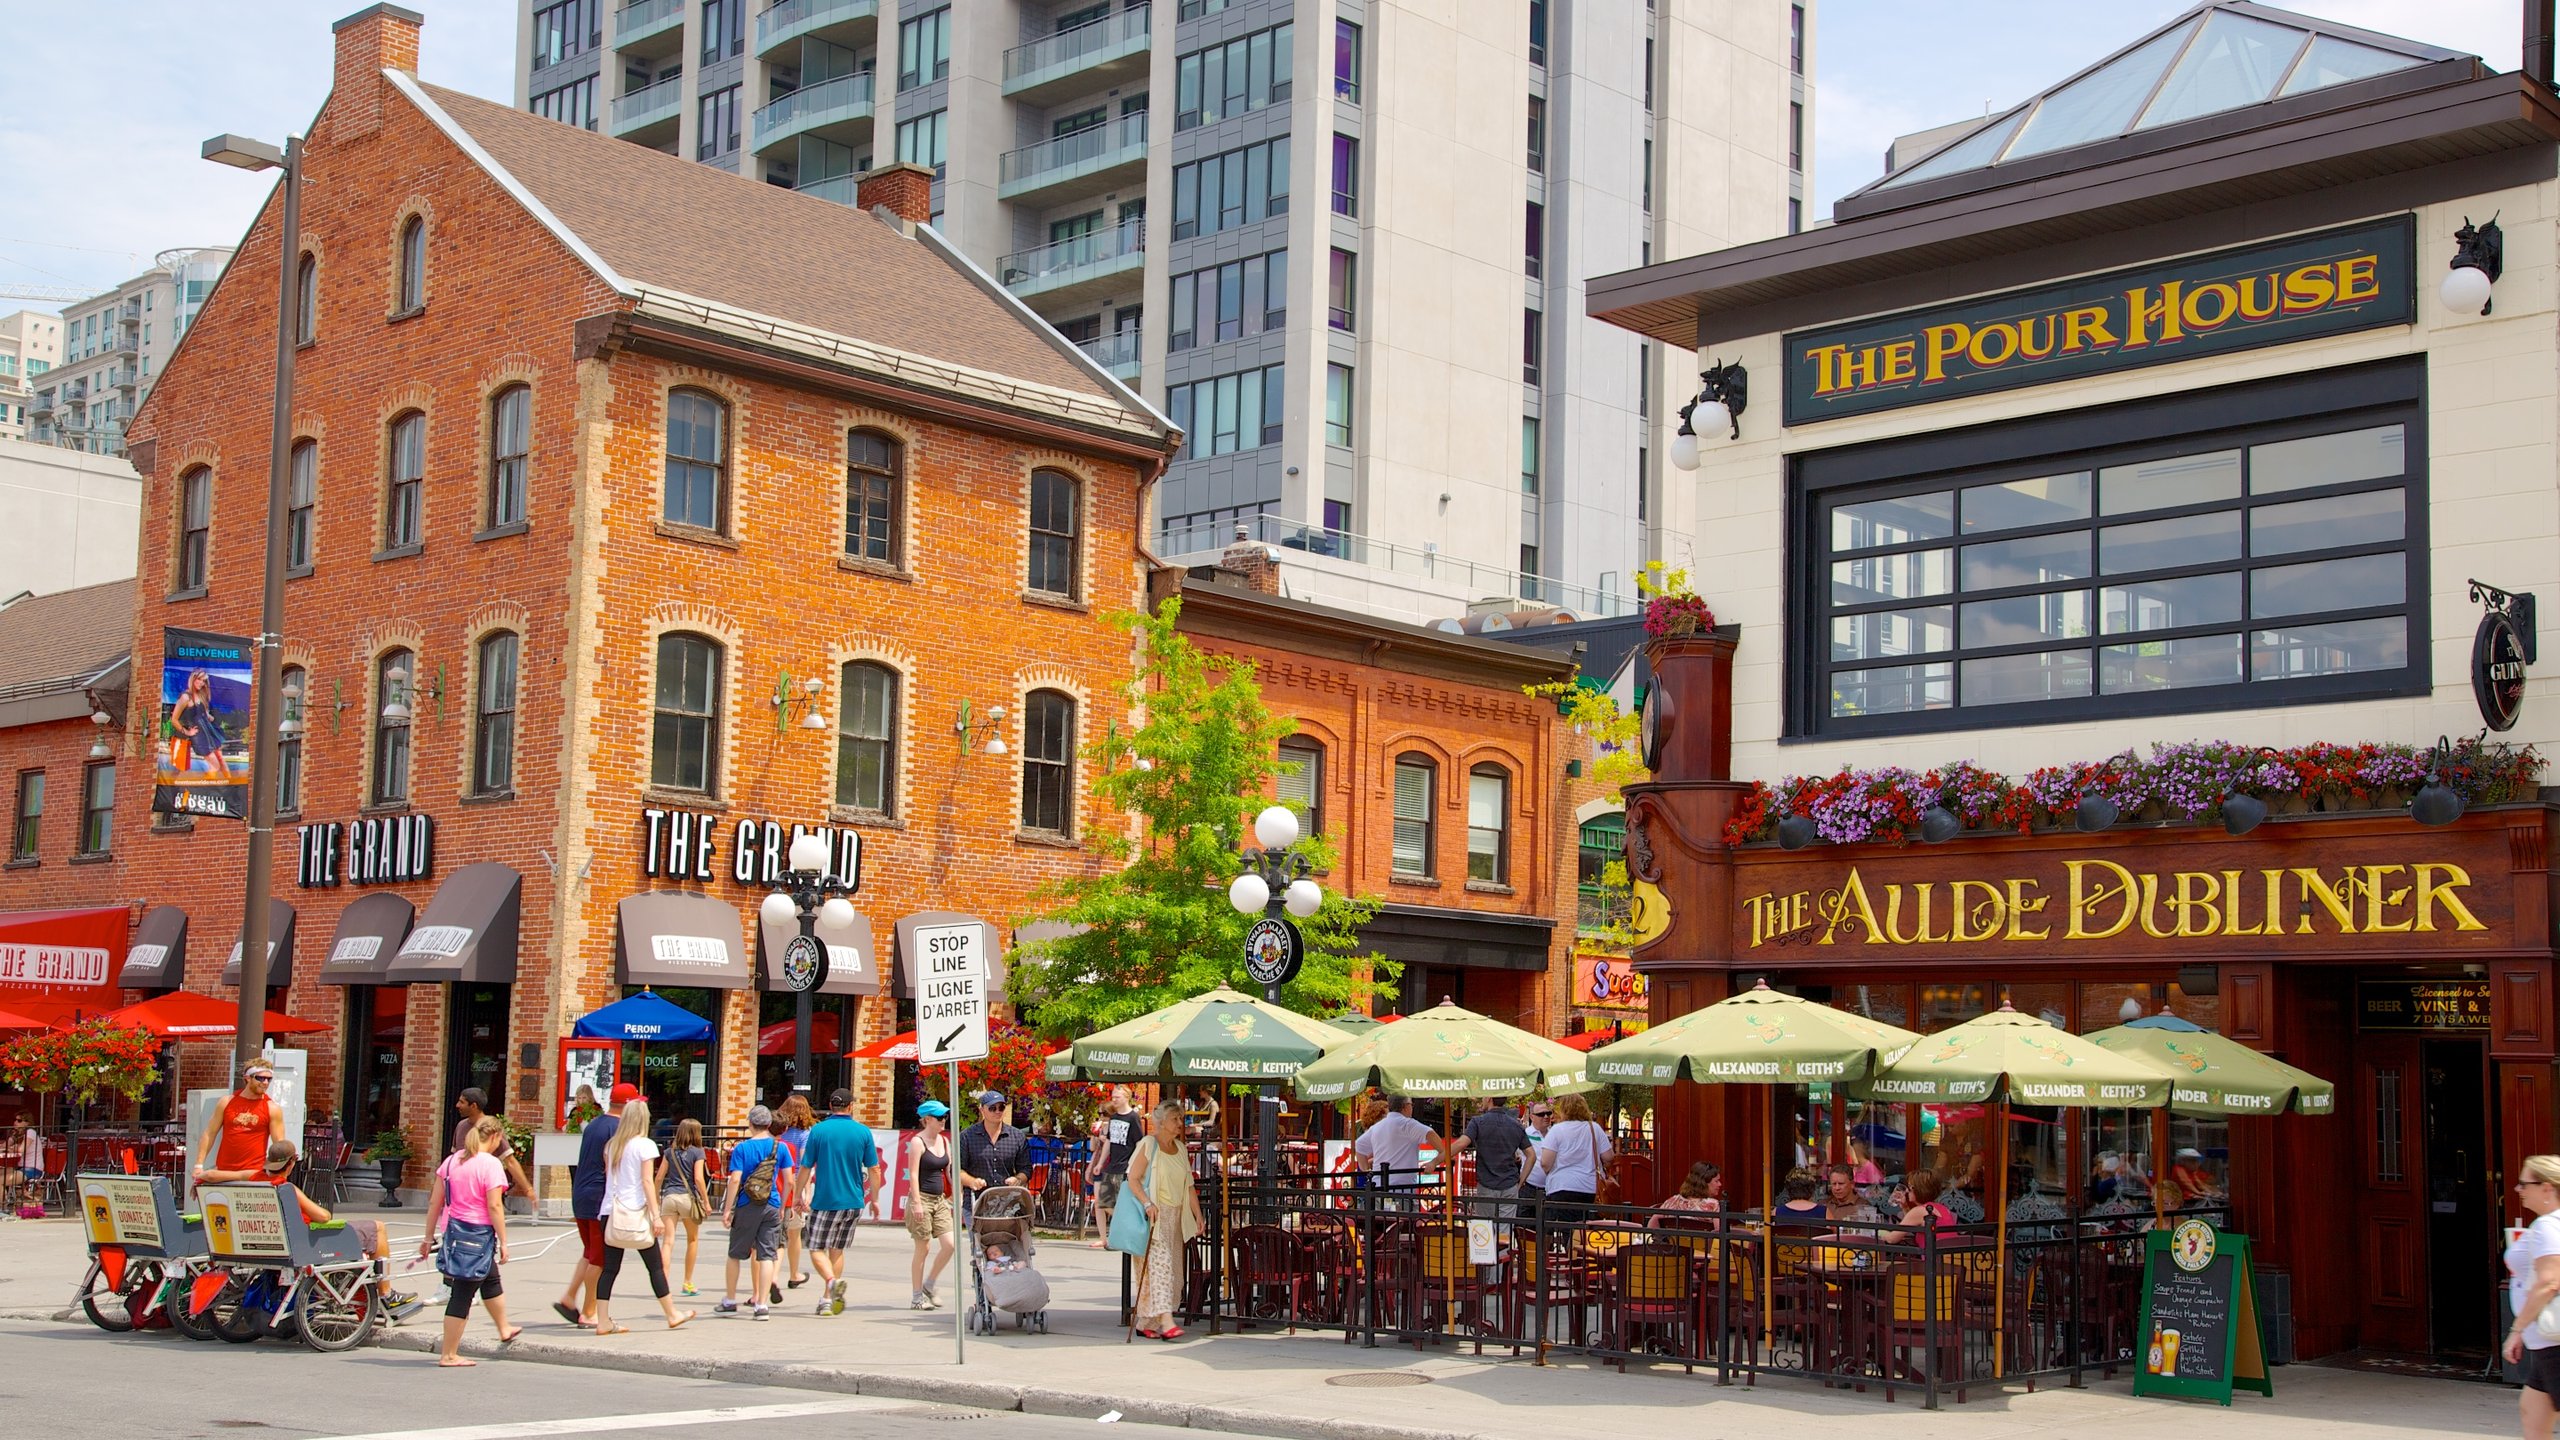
[1221, 1034]
[1443, 1053]
[2217, 1075]
[1061, 1067]
[2006, 1055]
[1761, 1036]
[1353, 1022]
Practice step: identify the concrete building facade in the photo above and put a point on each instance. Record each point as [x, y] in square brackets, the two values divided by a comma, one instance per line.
[115, 345]
[30, 345]
[1321, 254]
[73, 519]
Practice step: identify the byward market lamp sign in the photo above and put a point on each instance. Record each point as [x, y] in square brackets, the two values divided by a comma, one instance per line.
[2330, 283]
[804, 964]
[1273, 951]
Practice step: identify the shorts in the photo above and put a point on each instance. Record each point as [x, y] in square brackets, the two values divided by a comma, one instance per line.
[591, 1240]
[929, 1216]
[677, 1205]
[755, 1232]
[2542, 1370]
[832, 1229]
[795, 1221]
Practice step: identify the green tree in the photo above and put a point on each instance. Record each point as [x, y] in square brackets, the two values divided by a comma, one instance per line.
[1157, 928]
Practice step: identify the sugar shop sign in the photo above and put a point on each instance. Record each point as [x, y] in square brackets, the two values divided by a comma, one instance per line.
[687, 845]
[2330, 283]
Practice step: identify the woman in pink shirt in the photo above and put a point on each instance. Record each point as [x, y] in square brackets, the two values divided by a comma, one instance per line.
[469, 1202]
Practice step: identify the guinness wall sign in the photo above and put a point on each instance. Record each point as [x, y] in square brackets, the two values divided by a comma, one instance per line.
[2501, 649]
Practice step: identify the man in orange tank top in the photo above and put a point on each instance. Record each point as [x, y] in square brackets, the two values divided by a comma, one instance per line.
[236, 1147]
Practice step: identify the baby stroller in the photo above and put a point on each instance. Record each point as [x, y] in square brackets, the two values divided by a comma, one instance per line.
[1001, 1249]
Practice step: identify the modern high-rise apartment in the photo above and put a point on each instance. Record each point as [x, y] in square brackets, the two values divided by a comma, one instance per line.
[30, 345]
[112, 346]
[1346, 254]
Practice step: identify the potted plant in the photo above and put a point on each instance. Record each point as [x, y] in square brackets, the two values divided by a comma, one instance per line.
[390, 1150]
[1671, 608]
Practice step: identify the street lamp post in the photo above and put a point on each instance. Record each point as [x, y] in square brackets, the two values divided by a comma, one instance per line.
[810, 893]
[249, 154]
[1274, 886]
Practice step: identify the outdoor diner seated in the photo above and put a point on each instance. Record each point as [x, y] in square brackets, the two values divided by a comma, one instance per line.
[1841, 1201]
[1702, 1190]
[1797, 1205]
[1917, 1197]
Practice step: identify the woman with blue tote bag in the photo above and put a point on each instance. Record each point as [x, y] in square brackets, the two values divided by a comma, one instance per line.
[470, 1198]
[1161, 1192]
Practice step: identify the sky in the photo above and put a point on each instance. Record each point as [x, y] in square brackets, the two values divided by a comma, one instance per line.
[104, 104]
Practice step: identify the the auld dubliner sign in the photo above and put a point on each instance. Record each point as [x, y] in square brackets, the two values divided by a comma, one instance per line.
[2330, 283]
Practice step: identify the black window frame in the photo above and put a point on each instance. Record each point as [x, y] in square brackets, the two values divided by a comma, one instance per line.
[392, 776]
[875, 499]
[2238, 416]
[195, 529]
[1052, 554]
[289, 747]
[97, 813]
[508, 499]
[306, 299]
[1049, 764]
[496, 693]
[714, 467]
[412, 260]
[26, 827]
[302, 498]
[404, 497]
[707, 718]
[849, 741]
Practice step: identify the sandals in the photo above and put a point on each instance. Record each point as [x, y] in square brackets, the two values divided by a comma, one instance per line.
[1171, 1332]
[456, 1364]
[796, 1282]
[568, 1313]
[616, 1330]
[679, 1322]
[1150, 1334]
[511, 1336]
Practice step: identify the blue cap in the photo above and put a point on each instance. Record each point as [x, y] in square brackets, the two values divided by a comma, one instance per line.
[992, 1100]
[934, 1108]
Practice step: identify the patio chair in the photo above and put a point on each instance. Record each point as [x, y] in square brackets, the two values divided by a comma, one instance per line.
[1447, 1285]
[1896, 1319]
[1652, 1294]
[1546, 1280]
[1266, 1272]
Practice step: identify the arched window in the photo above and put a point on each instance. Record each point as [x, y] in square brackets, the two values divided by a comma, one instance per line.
[697, 460]
[1489, 824]
[493, 743]
[874, 497]
[685, 738]
[195, 527]
[394, 680]
[1048, 762]
[296, 688]
[1053, 533]
[305, 494]
[306, 299]
[404, 498]
[1302, 779]
[413, 264]
[510, 447]
[1417, 795]
[867, 739]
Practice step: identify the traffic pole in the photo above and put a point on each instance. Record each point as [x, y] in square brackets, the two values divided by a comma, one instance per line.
[960, 1283]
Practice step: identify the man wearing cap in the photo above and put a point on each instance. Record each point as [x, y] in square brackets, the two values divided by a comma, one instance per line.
[577, 1304]
[842, 1167]
[991, 1152]
[760, 1178]
[235, 1148]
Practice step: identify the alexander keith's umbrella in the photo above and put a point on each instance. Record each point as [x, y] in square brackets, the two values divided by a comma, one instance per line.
[1443, 1053]
[1220, 1034]
[2216, 1075]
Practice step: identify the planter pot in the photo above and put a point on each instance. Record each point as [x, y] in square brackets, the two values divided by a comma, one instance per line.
[2392, 797]
[391, 1182]
[2290, 804]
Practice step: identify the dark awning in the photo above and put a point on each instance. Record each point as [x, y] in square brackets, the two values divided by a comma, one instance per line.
[279, 949]
[1471, 939]
[853, 958]
[369, 934]
[468, 934]
[678, 938]
[157, 958]
[905, 981]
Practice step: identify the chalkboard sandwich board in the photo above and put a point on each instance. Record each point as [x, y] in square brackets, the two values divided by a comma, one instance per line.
[2200, 1334]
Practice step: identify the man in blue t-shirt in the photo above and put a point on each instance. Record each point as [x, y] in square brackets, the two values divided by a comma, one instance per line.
[761, 1174]
[842, 1168]
[577, 1304]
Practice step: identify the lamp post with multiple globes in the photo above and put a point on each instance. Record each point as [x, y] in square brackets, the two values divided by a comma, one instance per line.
[1274, 887]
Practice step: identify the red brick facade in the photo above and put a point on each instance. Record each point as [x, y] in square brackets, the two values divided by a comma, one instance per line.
[61, 873]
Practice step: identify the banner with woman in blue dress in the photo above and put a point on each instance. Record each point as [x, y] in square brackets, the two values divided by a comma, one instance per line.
[200, 743]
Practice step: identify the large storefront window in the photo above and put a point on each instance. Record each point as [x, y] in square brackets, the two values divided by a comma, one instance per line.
[831, 1018]
[377, 1023]
[679, 1079]
[476, 1042]
[2259, 545]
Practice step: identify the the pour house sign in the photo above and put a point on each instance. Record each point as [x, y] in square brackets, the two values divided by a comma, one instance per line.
[2325, 284]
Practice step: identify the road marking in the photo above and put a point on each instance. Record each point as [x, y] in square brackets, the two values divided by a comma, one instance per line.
[648, 1420]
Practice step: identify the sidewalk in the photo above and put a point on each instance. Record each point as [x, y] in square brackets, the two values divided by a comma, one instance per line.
[1307, 1386]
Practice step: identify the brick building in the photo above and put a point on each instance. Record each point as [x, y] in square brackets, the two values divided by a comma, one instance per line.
[1440, 782]
[642, 515]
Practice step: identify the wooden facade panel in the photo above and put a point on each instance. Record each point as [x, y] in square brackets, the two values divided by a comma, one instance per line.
[2520, 1021]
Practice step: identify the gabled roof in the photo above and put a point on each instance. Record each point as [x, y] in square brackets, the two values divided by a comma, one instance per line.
[715, 249]
[2218, 57]
[66, 641]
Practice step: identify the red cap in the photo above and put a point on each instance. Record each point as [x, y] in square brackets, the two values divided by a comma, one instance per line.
[625, 1093]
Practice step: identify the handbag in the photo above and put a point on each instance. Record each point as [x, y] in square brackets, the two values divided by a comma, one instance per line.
[469, 1251]
[628, 1228]
[1128, 1222]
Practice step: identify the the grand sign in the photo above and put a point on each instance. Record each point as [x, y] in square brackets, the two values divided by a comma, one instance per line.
[2365, 894]
[685, 845]
[377, 850]
[2330, 283]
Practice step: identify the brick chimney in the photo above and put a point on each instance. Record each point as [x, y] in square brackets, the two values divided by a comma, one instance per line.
[902, 187]
[372, 40]
[1251, 561]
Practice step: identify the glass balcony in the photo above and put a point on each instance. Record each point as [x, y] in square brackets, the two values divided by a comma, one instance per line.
[650, 106]
[1116, 352]
[844, 101]
[835, 21]
[1183, 544]
[838, 188]
[1094, 55]
[645, 20]
[1075, 261]
[1086, 162]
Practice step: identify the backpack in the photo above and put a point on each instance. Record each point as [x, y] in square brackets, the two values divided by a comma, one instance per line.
[758, 1186]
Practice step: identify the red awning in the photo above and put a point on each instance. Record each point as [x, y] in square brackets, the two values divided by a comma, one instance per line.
[824, 1039]
[894, 1047]
[185, 1015]
[56, 965]
[1588, 1040]
[12, 1020]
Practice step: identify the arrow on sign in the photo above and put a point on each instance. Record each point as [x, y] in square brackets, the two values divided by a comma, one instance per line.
[946, 1041]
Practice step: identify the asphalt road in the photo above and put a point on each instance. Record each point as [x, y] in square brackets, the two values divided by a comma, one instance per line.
[71, 1379]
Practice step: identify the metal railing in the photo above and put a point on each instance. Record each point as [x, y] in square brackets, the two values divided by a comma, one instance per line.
[1068, 46]
[842, 189]
[1081, 148]
[1211, 537]
[650, 102]
[1114, 351]
[848, 93]
[1074, 253]
[641, 15]
[775, 19]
